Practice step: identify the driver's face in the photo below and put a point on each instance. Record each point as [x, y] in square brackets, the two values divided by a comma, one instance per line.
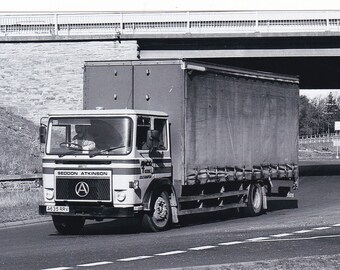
[80, 129]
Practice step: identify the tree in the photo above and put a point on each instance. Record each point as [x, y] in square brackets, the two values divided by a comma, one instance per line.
[308, 117]
[320, 106]
[317, 116]
[332, 112]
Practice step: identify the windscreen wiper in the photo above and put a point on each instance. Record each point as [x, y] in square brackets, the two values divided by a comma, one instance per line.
[107, 150]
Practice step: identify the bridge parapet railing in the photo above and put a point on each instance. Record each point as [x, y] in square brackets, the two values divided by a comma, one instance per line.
[319, 138]
[65, 24]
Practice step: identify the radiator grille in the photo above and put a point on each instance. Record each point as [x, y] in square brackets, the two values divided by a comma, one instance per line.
[98, 189]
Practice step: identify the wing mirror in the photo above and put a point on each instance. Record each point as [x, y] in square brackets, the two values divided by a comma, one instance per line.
[42, 134]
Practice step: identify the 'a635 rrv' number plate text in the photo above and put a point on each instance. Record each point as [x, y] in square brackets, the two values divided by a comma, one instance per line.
[57, 209]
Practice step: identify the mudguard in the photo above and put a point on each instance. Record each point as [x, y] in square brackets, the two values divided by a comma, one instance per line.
[162, 184]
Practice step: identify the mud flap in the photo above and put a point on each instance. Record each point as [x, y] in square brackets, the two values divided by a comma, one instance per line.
[174, 212]
[174, 208]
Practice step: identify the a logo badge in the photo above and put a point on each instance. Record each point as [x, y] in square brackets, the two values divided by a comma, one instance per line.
[82, 189]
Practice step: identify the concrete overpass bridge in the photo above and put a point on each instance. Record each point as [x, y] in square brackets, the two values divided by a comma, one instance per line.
[306, 43]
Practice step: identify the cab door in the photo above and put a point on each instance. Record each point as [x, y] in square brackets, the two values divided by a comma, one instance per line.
[145, 161]
[154, 163]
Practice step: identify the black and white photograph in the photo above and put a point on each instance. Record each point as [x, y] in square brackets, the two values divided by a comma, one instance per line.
[169, 134]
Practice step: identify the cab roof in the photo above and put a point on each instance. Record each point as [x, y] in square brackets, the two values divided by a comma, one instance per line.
[101, 112]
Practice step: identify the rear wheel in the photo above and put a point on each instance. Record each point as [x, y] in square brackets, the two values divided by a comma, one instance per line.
[255, 201]
[68, 225]
[159, 218]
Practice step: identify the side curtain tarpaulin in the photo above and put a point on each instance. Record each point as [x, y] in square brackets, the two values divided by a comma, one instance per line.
[240, 122]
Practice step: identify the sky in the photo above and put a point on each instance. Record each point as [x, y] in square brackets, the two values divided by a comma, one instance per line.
[163, 5]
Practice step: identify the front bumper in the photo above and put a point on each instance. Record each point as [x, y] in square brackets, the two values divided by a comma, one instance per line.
[92, 211]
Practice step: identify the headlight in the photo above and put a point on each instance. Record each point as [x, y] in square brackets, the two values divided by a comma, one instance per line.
[49, 194]
[121, 195]
[134, 184]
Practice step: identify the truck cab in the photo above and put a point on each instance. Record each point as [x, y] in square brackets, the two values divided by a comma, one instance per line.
[105, 164]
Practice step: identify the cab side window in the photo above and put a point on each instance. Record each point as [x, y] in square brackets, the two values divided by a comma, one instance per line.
[143, 125]
[160, 125]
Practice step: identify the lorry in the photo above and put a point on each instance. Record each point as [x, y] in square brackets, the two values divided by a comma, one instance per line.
[172, 137]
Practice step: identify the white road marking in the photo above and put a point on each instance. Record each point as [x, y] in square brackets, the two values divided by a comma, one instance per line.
[281, 235]
[202, 248]
[230, 243]
[336, 225]
[94, 264]
[134, 258]
[59, 268]
[303, 231]
[170, 253]
[257, 239]
[281, 240]
[303, 238]
[321, 228]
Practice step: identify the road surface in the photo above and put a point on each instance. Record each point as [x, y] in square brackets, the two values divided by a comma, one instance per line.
[313, 229]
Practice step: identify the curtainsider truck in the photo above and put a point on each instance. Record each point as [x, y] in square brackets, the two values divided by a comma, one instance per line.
[160, 139]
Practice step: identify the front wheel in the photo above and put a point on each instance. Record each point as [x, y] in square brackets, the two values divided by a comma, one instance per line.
[159, 218]
[68, 225]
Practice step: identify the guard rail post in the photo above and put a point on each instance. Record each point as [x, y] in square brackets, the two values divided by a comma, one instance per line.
[56, 24]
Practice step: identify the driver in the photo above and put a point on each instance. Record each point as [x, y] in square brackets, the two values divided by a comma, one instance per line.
[83, 138]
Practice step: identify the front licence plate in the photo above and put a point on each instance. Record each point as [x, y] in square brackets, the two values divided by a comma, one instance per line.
[58, 209]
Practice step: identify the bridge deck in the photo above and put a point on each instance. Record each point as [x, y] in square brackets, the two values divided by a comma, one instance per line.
[87, 26]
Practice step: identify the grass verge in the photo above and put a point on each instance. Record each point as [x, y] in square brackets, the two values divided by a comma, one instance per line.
[20, 148]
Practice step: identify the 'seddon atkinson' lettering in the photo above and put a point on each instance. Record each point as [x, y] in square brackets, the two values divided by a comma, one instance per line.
[82, 173]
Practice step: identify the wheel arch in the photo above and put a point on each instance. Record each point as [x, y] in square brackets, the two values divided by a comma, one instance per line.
[156, 186]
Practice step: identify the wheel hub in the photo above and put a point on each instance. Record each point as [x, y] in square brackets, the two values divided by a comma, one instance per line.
[161, 209]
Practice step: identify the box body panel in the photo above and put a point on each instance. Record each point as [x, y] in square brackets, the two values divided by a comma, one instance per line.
[240, 122]
[108, 86]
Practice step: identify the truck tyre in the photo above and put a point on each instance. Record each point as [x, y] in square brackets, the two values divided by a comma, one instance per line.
[159, 218]
[255, 201]
[68, 225]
